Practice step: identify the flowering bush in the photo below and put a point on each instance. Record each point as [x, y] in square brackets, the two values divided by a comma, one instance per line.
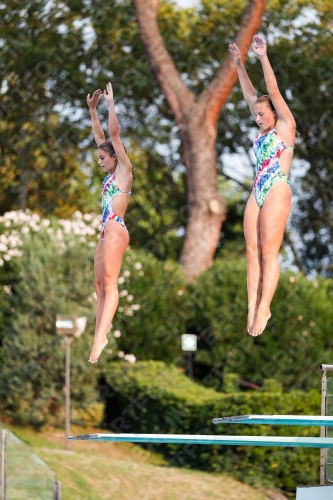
[47, 269]
[16, 225]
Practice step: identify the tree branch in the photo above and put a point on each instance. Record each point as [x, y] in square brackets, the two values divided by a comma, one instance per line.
[246, 187]
[179, 97]
[216, 94]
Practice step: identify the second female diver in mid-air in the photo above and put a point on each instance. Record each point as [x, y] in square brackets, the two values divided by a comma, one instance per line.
[114, 238]
[269, 204]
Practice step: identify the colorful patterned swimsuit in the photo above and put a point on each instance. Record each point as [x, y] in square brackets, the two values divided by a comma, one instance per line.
[268, 149]
[109, 190]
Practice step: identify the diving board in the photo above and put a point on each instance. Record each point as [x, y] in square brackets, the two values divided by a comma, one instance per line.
[302, 442]
[307, 420]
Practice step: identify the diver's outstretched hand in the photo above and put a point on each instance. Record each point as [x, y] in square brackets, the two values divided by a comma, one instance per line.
[235, 52]
[108, 93]
[94, 99]
[259, 46]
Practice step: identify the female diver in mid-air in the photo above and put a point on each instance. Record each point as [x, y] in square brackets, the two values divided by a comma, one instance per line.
[114, 238]
[269, 204]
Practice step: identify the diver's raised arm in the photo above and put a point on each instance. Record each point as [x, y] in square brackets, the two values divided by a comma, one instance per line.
[95, 123]
[280, 105]
[114, 131]
[248, 89]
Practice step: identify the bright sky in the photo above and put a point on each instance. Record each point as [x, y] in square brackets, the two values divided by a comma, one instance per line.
[186, 3]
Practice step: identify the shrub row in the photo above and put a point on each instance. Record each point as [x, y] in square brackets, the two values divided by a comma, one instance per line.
[152, 397]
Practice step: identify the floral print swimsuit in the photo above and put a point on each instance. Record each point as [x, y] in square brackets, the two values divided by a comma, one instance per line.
[268, 149]
[109, 190]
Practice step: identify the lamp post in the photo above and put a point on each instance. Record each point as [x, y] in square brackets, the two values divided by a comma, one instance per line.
[189, 344]
[71, 327]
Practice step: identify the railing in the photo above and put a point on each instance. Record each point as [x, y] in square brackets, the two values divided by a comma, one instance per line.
[329, 430]
[24, 475]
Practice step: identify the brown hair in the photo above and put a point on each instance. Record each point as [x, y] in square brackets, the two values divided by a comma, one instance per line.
[266, 98]
[108, 148]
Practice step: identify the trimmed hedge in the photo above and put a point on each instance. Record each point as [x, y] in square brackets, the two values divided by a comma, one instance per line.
[151, 397]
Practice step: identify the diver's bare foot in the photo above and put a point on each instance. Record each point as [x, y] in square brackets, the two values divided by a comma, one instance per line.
[96, 350]
[251, 315]
[260, 322]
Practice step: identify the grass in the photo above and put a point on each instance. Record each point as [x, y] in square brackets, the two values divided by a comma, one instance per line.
[123, 471]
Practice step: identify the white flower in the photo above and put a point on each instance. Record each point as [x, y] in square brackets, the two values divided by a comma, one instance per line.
[129, 312]
[130, 298]
[130, 358]
[117, 334]
[121, 280]
[14, 252]
[2, 262]
[7, 289]
[138, 266]
[180, 292]
[120, 309]
[7, 257]
[45, 223]
[3, 247]
[141, 273]
[126, 273]
[121, 354]
[123, 293]
[136, 307]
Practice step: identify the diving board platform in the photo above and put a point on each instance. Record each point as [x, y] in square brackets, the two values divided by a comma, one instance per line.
[307, 420]
[299, 442]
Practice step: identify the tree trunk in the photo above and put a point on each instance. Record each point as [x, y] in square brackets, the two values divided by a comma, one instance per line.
[197, 122]
[206, 208]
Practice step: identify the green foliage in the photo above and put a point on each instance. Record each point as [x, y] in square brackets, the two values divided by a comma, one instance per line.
[156, 307]
[152, 397]
[92, 416]
[296, 340]
[41, 54]
[151, 315]
[46, 268]
[157, 209]
[49, 61]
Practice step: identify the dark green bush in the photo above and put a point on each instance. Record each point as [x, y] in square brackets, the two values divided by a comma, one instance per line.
[297, 338]
[151, 397]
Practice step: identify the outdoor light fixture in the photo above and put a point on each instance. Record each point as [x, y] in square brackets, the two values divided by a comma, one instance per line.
[189, 345]
[70, 326]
